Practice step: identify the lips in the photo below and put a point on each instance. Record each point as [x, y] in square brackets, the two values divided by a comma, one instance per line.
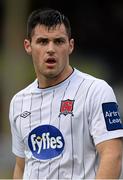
[51, 61]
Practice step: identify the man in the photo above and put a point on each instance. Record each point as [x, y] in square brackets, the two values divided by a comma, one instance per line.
[66, 124]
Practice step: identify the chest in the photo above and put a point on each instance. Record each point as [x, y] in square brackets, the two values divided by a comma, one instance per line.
[64, 108]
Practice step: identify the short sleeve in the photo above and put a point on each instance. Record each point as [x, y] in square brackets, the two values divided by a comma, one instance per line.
[17, 141]
[104, 117]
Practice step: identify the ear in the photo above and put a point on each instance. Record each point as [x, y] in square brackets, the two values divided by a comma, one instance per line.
[27, 46]
[71, 46]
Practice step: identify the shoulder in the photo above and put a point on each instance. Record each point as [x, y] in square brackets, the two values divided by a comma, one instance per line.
[96, 86]
[96, 82]
[26, 91]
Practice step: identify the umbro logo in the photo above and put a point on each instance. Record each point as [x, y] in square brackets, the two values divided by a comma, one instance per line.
[25, 114]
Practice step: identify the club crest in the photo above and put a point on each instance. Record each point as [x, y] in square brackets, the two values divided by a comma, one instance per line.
[66, 107]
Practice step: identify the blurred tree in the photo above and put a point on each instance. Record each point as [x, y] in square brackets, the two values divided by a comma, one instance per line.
[1, 40]
[1, 21]
[14, 31]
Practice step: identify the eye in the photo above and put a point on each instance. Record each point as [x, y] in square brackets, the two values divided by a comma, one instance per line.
[59, 41]
[42, 41]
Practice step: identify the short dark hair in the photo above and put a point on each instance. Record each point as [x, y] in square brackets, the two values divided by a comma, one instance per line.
[48, 17]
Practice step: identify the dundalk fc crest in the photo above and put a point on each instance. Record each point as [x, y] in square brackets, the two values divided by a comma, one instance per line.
[66, 107]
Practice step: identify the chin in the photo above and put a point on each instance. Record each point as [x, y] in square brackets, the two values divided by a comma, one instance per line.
[50, 74]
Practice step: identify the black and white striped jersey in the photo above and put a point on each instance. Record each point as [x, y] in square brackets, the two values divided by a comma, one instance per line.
[56, 129]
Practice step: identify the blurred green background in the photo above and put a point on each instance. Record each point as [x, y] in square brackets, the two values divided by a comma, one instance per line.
[97, 29]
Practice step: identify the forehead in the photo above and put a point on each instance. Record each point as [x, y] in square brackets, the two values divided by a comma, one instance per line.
[41, 30]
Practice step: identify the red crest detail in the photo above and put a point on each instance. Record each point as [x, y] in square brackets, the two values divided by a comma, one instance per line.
[67, 107]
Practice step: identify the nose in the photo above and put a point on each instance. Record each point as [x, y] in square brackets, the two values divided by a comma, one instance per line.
[51, 48]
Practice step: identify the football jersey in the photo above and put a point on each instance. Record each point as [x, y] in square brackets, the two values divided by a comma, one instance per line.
[57, 128]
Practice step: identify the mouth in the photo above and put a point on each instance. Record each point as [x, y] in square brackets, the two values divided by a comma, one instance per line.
[50, 62]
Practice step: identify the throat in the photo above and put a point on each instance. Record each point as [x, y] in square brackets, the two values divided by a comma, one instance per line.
[46, 82]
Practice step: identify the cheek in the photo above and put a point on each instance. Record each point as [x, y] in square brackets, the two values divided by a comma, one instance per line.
[64, 55]
[64, 52]
[36, 55]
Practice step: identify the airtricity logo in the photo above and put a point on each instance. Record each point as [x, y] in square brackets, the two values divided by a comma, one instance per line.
[46, 142]
[112, 116]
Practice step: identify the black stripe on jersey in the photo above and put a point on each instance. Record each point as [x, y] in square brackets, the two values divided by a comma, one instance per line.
[21, 112]
[30, 130]
[73, 164]
[14, 105]
[59, 125]
[51, 109]
[78, 88]
[84, 150]
[65, 90]
[33, 162]
[38, 175]
[71, 119]
[30, 111]
[41, 107]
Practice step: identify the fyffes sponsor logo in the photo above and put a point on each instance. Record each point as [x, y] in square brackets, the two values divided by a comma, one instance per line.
[46, 142]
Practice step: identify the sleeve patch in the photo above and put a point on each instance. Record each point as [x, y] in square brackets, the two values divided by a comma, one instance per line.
[112, 116]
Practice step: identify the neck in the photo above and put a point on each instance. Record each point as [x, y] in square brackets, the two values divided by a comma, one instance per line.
[45, 82]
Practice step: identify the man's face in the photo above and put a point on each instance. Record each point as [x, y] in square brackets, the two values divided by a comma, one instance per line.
[50, 50]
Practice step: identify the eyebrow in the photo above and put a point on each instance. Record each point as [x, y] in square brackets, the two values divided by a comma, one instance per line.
[41, 38]
[45, 38]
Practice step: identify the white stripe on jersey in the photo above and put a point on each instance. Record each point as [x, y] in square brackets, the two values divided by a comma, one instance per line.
[56, 129]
